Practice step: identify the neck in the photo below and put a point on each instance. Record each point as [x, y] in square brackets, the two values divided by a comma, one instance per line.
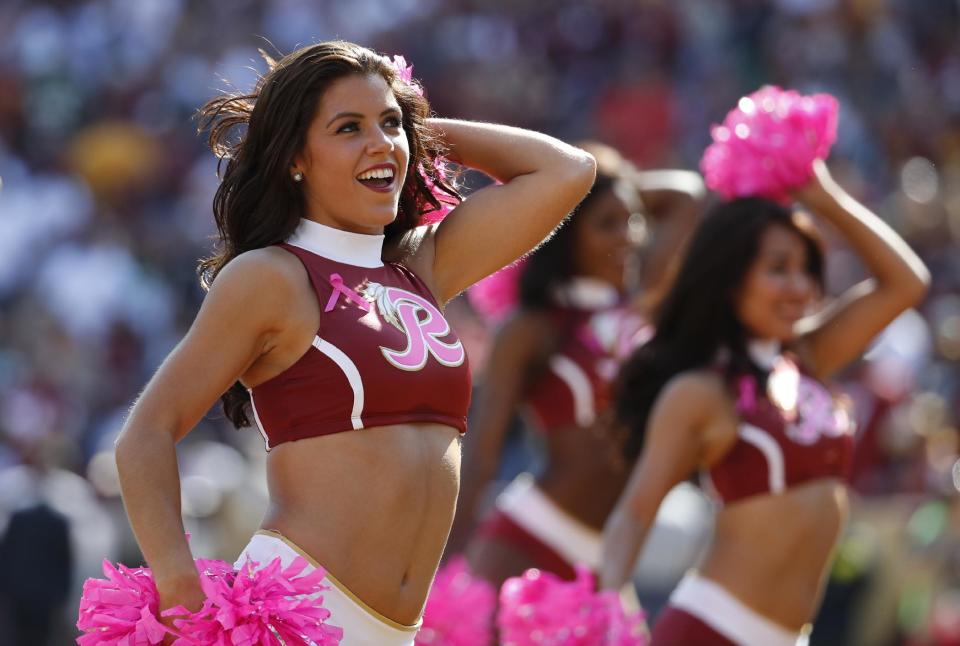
[587, 293]
[359, 249]
[764, 352]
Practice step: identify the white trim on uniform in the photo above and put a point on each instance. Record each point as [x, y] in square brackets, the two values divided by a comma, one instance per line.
[352, 374]
[771, 452]
[526, 505]
[256, 418]
[579, 384]
[715, 606]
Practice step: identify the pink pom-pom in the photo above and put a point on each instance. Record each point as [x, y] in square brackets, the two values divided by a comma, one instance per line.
[459, 609]
[246, 608]
[496, 295]
[540, 609]
[120, 609]
[767, 144]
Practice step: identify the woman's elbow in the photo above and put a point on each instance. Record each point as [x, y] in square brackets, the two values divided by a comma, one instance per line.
[580, 171]
[916, 285]
[125, 450]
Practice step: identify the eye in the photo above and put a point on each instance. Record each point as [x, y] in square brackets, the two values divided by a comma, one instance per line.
[349, 126]
[779, 267]
[392, 122]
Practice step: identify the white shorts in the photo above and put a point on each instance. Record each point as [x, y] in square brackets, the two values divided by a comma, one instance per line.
[712, 604]
[361, 624]
[526, 505]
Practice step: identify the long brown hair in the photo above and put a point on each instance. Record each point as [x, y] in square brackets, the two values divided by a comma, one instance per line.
[258, 134]
[697, 318]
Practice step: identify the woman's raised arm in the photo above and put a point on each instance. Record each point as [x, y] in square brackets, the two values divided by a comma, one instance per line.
[840, 334]
[543, 179]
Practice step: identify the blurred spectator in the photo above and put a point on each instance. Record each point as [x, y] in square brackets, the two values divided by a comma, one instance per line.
[105, 194]
[35, 578]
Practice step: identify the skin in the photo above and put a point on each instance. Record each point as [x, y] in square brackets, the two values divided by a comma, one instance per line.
[777, 291]
[374, 506]
[583, 471]
[770, 552]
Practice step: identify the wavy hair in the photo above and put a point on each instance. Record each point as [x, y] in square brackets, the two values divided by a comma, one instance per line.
[696, 317]
[258, 134]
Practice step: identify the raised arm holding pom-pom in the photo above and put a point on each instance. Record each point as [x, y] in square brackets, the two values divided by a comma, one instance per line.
[730, 386]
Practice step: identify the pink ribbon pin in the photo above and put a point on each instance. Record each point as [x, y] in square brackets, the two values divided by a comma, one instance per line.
[748, 393]
[336, 281]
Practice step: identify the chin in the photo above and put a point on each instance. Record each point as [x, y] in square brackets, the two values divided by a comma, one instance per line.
[786, 336]
[378, 218]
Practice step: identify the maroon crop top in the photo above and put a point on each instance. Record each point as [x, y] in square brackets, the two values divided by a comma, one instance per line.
[575, 386]
[384, 353]
[793, 433]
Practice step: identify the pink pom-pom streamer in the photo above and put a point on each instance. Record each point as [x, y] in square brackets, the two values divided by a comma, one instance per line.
[246, 608]
[496, 295]
[120, 609]
[541, 609]
[767, 144]
[459, 609]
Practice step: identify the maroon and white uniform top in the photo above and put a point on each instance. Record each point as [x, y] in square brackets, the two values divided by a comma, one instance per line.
[792, 432]
[384, 354]
[597, 333]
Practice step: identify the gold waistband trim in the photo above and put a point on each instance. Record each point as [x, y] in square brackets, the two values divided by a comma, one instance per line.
[339, 586]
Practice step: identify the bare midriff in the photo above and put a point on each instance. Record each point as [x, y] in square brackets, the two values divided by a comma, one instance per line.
[772, 552]
[372, 506]
[584, 473]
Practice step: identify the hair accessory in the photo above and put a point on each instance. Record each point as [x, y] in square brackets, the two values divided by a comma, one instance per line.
[405, 72]
[767, 144]
[447, 201]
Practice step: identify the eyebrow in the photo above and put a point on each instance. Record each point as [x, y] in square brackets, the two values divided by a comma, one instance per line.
[357, 115]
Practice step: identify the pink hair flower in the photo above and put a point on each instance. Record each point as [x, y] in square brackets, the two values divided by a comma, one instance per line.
[405, 72]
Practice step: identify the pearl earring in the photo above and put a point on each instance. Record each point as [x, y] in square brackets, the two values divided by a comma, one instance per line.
[298, 176]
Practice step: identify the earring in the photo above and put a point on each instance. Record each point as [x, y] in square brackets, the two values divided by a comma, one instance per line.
[298, 176]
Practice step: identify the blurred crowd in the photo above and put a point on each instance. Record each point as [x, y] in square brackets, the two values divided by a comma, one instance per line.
[105, 208]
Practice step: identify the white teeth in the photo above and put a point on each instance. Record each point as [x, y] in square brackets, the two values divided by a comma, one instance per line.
[377, 173]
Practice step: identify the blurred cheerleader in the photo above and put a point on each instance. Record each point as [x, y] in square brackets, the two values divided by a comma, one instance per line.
[730, 386]
[555, 357]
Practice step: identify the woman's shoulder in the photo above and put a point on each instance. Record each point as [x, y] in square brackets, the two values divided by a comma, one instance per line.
[702, 388]
[270, 270]
[526, 332]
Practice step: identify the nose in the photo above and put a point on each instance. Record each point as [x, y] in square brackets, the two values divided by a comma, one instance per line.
[801, 284]
[379, 142]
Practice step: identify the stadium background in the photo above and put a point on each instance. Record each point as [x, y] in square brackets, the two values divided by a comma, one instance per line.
[105, 209]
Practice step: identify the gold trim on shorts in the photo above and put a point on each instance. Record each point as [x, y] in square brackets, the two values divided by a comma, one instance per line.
[339, 586]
